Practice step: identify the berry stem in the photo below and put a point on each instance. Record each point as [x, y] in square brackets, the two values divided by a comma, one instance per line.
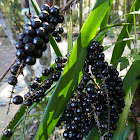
[19, 71]
[108, 102]
[95, 83]
[97, 123]
[7, 70]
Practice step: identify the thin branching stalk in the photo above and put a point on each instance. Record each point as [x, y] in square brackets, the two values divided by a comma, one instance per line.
[108, 102]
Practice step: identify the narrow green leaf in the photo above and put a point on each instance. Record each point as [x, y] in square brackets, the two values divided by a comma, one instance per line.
[138, 129]
[131, 75]
[36, 7]
[136, 57]
[103, 24]
[69, 79]
[70, 38]
[119, 133]
[119, 48]
[123, 63]
[93, 134]
[55, 46]
[127, 129]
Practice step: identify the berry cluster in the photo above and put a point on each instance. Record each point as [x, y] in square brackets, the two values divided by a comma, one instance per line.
[93, 103]
[37, 87]
[32, 42]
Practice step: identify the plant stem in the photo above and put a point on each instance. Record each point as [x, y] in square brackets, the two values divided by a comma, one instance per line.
[108, 102]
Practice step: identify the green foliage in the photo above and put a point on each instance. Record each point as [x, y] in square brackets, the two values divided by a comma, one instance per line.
[72, 72]
[70, 78]
[123, 63]
[119, 48]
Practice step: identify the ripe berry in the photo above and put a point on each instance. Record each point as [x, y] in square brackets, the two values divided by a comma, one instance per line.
[28, 102]
[95, 43]
[52, 27]
[54, 33]
[44, 16]
[19, 45]
[38, 79]
[12, 80]
[38, 53]
[37, 41]
[21, 54]
[51, 69]
[90, 88]
[60, 18]
[30, 60]
[46, 27]
[40, 32]
[17, 100]
[27, 39]
[14, 70]
[54, 20]
[34, 84]
[60, 30]
[21, 36]
[58, 38]
[8, 133]
[27, 25]
[58, 66]
[33, 17]
[30, 48]
[45, 72]
[29, 31]
[54, 11]
[36, 23]
[45, 7]
[58, 60]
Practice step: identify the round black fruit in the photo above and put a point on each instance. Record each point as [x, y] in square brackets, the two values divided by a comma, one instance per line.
[58, 38]
[44, 16]
[21, 36]
[60, 30]
[21, 54]
[28, 102]
[45, 7]
[12, 80]
[36, 23]
[30, 60]
[54, 11]
[19, 45]
[8, 133]
[17, 100]
[60, 18]
[14, 70]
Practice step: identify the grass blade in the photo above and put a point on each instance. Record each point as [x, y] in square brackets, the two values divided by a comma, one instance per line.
[36, 7]
[119, 48]
[55, 46]
[70, 38]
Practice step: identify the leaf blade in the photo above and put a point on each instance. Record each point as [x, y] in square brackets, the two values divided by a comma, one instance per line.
[55, 46]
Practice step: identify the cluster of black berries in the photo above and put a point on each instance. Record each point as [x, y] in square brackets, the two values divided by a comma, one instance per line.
[91, 101]
[32, 42]
[37, 87]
